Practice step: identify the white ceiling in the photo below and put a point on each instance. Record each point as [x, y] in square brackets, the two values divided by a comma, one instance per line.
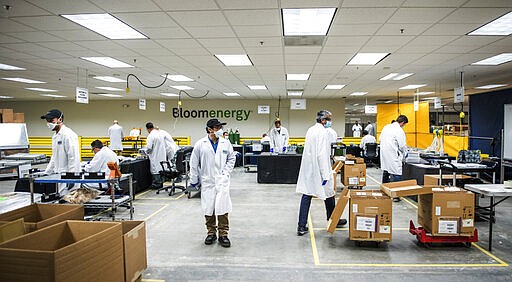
[185, 35]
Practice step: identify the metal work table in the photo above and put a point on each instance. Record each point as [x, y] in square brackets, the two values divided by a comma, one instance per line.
[112, 202]
[490, 190]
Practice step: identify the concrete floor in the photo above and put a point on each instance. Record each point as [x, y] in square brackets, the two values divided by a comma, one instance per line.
[265, 246]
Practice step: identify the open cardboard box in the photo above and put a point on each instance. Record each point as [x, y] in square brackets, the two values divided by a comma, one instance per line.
[11, 230]
[404, 188]
[134, 249]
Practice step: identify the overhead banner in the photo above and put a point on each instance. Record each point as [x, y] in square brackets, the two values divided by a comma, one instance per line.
[263, 109]
[142, 104]
[458, 95]
[162, 107]
[82, 95]
[370, 109]
[437, 103]
[297, 104]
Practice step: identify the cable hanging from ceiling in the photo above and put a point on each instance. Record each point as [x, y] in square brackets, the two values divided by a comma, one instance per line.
[142, 83]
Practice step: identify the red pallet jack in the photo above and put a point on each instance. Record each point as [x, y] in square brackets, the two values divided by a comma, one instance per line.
[427, 240]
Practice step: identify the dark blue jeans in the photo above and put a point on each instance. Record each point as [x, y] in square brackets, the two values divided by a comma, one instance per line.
[388, 177]
[305, 203]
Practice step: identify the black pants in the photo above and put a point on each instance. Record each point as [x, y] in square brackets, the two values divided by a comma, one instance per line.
[305, 203]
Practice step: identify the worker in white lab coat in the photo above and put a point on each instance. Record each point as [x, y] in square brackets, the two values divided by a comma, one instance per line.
[315, 174]
[333, 136]
[369, 127]
[65, 147]
[170, 145]
[155, 148]
[356, 129]
[102, 156]
[279, 137]
[367, 138]
[211, 163]
[115, 133]
[393, 150]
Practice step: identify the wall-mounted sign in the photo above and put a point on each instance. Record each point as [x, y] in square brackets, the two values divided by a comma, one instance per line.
[142, 104]
[416, 105]
[82, 95]
[263, 109]
[162, 107]
[437, 103]
[297, 104]
[458, 95]
[370, 109]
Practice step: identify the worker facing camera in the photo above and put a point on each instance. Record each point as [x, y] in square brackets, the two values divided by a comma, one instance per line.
[278, 137]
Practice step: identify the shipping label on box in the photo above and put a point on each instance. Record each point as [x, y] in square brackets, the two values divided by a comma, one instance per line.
[365, 223]
[448, 226]
[386, 229]
[353, 180]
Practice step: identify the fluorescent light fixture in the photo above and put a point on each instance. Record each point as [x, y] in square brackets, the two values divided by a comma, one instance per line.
[495, 60]
[490, 86]
[334, 86]
[111, 95]
[108, 88]
[5, 97]
[169, 94]
[499, 26]
[234, 60]
[109, 78]
[257, 87]
[402, 76]
[314, 21]
[429, 98]
[182, 87]
[178, 77]
[52, 95]
[358, 93]
[367, 59]
[24, 80]
[41, 89]
[106, 25]
[294, 92]
[356, 104]
[412, 86]
[388, 101]
[389, 76]
[424, 93]
[108, 62]
[297, 76]
[9, 67]
[231, 94]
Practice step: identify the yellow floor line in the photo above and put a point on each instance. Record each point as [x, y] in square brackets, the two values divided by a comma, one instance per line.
[409, 202]
[142, 193]
[313, 241]
[376, 181]
[153, 214]
[148, 204]
[490, 255]
[152, 280]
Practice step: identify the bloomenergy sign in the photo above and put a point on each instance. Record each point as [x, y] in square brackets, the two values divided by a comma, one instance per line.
[237, 114]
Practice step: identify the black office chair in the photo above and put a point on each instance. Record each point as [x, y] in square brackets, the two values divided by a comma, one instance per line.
[371, 153]
[179, 168]
[353, 150]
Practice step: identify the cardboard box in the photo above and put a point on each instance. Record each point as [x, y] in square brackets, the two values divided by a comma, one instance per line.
[11, 230]
[37, 216]
[19, 118]
[67, 251]
[338, 211]
[370, 216]
[447, 204]
[404, 188]
[6, 115]
[433, 179]
[354, 174]
[134, 249]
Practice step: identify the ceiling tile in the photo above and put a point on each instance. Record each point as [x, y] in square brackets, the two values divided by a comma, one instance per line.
[173, 44]
[333, 59]
[370, 3]
[67, 7]
[363, 15]
[199, 18]
[76, 35]
[210, 31]
[236, 4]
[420, 15]
[377, 41]
[488, 3]
[126, 5]
[164, 32]
[267, 42]
[353, 29]
[63, 46]
[475, 15]
[263, 50]
[451, 29]
[149, 19]
[300, 59]
[49, 23]
[8, 39]
[309, 3]
[258, 30]
[253, 17]
[35, 36]
[7, 25]
[189, 5]
[408, 29]
[21, 8]
[267, 60]
[346, 40]
[434, 59]
[433, 3]
[220, 42]
[302, 50]
[137, 44]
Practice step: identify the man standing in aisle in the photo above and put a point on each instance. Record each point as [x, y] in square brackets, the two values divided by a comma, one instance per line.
[211, 163]
[65, 147]
[155, 148]
[315, 174]
[115, 133]
[170, 144]
[392, 150]
[356, 129]
[279, 137]
[369, 128]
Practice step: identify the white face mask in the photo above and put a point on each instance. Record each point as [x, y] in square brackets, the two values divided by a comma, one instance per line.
[328, 124]
[51, 125]
[219, 133]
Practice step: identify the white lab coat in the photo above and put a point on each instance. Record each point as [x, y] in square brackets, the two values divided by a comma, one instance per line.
[155, 147]
[333, 136]
[278, 140]
[170, 145]
[65, 152]
[369, 128]
[316, 165]
[212, 170]
[367, 139]
[100, 160]
[265, 139]
[115, 132]
[356, 129]
[392, 148]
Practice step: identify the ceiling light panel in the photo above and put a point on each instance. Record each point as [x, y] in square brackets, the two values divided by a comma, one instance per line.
[412, 86]
[231, 94]
[5, 97]
[108, 62]
[294, 93]
[297, 76]
[52, 95]
[109, 78]
[334, 86]
[257, 87]
[41, 89]
[402, 76]
[367, 59]
[300, 22]
[500, 26]
[9, 67]
[23, 80]
[424, 93]
[108, 88]
[358, 93]
[389, 76]
[182, 87]
[495, 60]
[491, 86]
[106, 25]
[110, 95]
[178, 77]
[234, 60]
[169, 94]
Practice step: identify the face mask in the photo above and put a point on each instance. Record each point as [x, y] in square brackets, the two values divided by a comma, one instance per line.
[51, 125]
[328, 124]
[219, 133]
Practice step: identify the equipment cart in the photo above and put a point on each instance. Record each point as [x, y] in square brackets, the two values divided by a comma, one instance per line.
[427, 239]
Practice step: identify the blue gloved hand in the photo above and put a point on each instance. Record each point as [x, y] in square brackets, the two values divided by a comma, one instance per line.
[284, 149]
[194, 185]
[324, 182]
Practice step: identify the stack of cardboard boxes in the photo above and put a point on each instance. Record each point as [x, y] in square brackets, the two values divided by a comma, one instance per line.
[353, 173]
[9, 116]
[58, 248]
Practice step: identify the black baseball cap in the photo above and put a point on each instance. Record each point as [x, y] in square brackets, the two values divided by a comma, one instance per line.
[214, 122]
[52, 114]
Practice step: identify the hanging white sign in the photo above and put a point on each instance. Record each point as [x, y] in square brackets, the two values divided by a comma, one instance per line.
[458, 95]
[416, 105]
[162, 107]
[82, 95]
[142, 104]
[263, 109]
[297, 104]
[437, 103]
[370, 109]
